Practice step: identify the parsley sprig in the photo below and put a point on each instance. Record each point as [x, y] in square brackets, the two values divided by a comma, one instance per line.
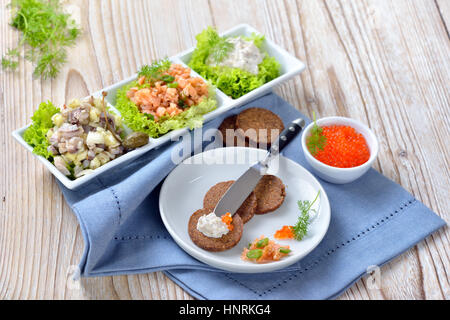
[301, 227]
[46, 33]
[316, 141]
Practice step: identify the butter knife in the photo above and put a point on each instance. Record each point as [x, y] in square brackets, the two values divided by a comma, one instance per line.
[246, 183]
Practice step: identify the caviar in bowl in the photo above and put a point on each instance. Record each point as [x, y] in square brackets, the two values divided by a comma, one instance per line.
[345, 154]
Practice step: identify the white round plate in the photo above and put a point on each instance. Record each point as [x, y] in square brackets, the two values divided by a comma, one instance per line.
[183, 191]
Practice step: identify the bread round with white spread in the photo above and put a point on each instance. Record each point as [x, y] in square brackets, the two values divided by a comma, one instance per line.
[223, 243]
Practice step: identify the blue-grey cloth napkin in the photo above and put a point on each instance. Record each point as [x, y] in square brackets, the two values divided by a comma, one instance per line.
[373, 220]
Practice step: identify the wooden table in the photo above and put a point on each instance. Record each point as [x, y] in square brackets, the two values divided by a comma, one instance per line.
[384, 62]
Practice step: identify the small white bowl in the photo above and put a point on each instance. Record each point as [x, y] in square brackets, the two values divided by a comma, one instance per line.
[341, 175]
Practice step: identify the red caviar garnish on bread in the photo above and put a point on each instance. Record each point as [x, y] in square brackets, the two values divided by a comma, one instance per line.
[228, 220]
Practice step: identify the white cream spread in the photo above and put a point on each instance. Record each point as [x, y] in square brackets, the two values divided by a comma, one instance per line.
[244, 55]
[212, 226]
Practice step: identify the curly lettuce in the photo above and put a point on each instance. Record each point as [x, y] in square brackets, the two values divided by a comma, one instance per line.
[138, 121]
[36, 134]
[232, 81]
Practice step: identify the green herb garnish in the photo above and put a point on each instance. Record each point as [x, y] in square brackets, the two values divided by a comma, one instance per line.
[182, 104]
[172, 85]
[255, 254]
[149, 116]
[167, 78]
[301, 227]
[46, 33]
[262, 243]
[155, 70]
[9, 61]
[285, 250]
[316, 141]
[221, 47]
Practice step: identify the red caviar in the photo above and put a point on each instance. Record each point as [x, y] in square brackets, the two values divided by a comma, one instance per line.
[287, 232]
[228, 219]
[344, 147]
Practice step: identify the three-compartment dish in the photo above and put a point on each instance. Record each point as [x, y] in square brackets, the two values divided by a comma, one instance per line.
[289, 66]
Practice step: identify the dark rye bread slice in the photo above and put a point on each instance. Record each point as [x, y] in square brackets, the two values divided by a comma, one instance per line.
[246, 211]
[270, 193]
[223, 243]
[232, 140]
[252, 120]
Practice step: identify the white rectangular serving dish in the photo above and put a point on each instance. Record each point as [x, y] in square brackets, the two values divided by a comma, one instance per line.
[290, 66]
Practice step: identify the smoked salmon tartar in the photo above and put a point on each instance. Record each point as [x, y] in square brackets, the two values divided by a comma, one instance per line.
[264, 250]
[165, 97]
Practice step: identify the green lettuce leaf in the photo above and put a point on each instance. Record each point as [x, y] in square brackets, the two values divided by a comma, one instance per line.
[138, 121]
[232, 81]
[258, 40]
[35, 135]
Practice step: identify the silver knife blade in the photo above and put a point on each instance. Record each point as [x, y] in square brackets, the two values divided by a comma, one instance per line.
[240, 190]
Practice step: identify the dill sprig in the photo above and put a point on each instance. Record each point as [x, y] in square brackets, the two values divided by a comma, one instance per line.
[9, 61]
[316, 141]
[155, 70]
[46, 32]
[301, 227]
[220, 49]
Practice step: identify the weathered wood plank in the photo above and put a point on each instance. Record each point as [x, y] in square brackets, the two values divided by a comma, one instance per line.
[385, 62]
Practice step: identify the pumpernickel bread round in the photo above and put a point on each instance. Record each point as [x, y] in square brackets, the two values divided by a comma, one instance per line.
[252, 120]
[270, 193]
[231, 140]
[246, 211]
[223, 243]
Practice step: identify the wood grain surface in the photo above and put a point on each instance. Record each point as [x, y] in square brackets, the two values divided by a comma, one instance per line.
[384, 62]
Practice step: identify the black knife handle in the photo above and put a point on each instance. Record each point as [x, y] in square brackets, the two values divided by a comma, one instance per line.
[288, 134]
